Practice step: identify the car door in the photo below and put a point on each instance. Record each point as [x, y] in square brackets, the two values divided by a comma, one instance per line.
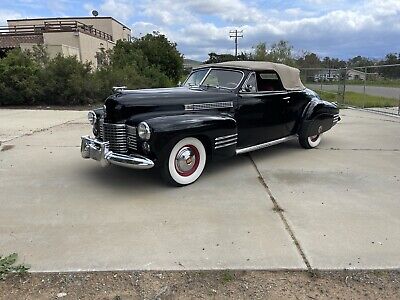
[260, 115]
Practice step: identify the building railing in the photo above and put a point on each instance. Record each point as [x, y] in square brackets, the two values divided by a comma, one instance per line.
[54, 26]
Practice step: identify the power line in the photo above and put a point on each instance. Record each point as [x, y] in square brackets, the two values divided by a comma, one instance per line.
[236, 34]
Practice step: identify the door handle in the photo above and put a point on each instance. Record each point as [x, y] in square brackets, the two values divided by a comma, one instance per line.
[286, 98]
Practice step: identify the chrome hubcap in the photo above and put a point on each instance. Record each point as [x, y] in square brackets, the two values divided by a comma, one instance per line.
[185, 160]
[314, 138]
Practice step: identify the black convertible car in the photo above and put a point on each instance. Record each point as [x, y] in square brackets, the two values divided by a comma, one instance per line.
[221, 110]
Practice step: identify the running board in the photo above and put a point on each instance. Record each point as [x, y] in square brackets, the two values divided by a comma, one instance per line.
[265, 145]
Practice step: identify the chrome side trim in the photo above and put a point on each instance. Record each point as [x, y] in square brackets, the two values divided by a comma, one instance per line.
[264, 145]
[226, 141]
[225, 137]
[336, 118]
[225, 145]
[211, 105]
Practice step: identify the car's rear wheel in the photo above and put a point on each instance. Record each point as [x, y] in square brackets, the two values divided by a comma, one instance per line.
[310, 141]
[185, 162]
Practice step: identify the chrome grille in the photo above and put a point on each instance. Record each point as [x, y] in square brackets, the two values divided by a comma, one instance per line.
[120, 136]
[131, 137]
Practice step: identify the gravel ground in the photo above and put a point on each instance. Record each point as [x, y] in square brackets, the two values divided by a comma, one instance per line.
[204, 284]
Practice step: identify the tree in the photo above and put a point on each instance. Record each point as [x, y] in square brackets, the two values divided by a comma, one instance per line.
[19, 79]
[161, 53]
[309, 60]
[360, 61]
[394, 71]
[260, 52]
[281, 52]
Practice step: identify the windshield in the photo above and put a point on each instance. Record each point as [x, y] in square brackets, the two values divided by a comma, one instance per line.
[219, 78]
[196, 77]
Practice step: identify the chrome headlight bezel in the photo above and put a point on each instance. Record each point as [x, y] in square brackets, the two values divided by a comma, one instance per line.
[92, 117]
[144, 131]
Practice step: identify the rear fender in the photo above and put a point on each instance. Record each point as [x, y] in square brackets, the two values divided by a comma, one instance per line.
[318, 117]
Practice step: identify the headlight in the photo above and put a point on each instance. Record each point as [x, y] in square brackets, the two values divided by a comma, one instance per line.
[92, 117]
[144, 131]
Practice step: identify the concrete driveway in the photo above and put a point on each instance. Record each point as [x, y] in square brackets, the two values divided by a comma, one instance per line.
[279, 208]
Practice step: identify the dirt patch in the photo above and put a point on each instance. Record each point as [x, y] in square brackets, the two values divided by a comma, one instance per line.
[204, 284]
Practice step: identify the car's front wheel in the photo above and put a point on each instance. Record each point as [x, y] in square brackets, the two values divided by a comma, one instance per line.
[185, 162]
[310, 141]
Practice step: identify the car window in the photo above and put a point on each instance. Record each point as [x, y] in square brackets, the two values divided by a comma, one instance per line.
[268, 82]
[196, 77]
[250, 86]
[223, 78]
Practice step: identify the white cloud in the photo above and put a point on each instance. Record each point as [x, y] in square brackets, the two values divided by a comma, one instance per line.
[6, 14]
[120, 9]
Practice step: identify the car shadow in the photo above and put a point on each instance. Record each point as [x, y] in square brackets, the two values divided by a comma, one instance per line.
[114, 177]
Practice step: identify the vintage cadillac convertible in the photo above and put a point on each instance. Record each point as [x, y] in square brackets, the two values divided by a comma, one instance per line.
[220, 111]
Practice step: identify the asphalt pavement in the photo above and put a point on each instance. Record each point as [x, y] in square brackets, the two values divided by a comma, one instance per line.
[283, 207]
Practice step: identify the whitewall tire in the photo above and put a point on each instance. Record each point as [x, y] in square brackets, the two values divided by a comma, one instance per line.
[185, 162]
[311, 141]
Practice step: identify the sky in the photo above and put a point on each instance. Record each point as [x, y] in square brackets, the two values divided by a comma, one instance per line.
[335, 28]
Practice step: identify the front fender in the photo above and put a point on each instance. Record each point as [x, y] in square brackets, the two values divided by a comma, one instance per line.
[318, 117]
[167, 130]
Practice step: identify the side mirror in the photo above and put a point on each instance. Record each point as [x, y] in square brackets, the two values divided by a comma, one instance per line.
[180, 83]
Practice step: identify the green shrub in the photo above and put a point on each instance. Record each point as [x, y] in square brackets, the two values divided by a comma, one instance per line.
[66, 81]
[19, 79]
[32, 78]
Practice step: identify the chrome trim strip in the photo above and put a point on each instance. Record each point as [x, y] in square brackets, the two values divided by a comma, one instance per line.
[225, 145]
[226, 141]
[225, 137]
[210, 105]
[265, 93]
[205, 76]
[264, 145]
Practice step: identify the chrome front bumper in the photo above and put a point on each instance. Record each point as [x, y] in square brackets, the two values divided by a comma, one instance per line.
[98, 150]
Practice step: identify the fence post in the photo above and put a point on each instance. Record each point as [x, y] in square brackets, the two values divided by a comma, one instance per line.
[344, 85]
[365, 83]
[398, 110]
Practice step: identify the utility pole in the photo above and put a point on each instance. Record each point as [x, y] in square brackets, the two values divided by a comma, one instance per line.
[236, 34]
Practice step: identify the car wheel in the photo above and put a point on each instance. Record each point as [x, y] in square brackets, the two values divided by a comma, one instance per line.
[185, 162]
[310, 141]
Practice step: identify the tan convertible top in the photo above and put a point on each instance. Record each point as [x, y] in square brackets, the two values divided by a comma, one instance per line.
[290, 76]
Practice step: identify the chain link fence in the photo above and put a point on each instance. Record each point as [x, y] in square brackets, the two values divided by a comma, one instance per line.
[375, 88]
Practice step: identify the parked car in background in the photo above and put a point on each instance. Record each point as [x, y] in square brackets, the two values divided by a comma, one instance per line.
[221, 110]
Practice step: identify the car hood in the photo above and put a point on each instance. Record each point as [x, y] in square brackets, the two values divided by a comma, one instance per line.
[125, 104]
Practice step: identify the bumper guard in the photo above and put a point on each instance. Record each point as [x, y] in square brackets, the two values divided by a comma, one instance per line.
[98, 150]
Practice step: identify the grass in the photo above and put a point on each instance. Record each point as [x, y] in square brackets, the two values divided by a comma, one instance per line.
[227, 276]
[7, 266]
[359, 100]
[380, 82]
